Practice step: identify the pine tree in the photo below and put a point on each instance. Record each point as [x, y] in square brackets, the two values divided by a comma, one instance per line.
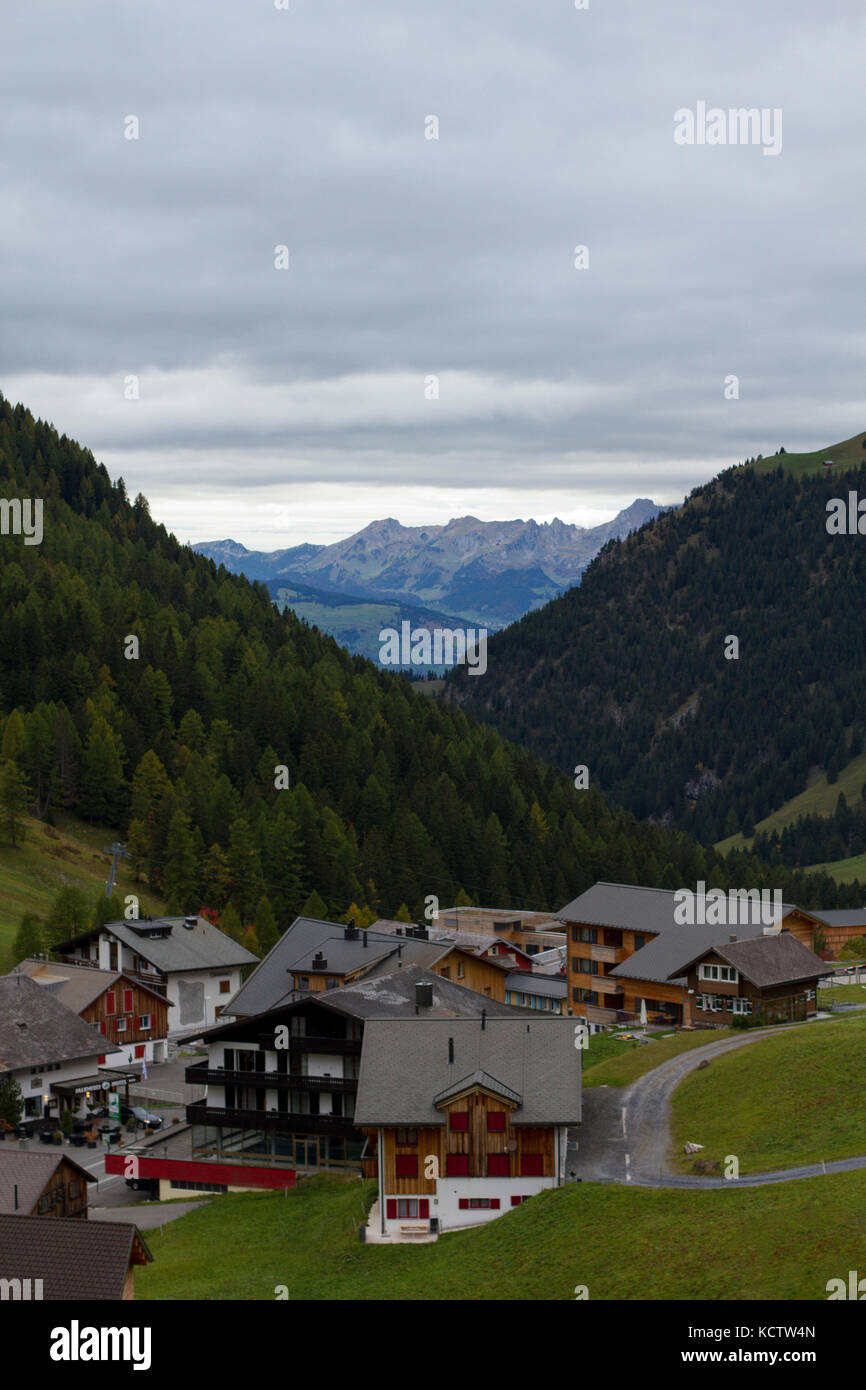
[68, 916]
[315, 907]
[180, 880]
[11, 1101]
[266, 926]
[14, 802]
[28, 939]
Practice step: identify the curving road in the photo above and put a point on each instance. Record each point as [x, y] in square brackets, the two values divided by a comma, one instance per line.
[625, 1135]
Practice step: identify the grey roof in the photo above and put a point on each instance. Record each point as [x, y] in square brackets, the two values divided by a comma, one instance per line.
[773, 960]
[77, 986]
[530, 983]
[474, 1080]
[74, 1258]
[404, 1067]
[634, 908]
[670, 953]
[844, 917]
[30, 1173]
[392, 995]
[475, 942]
[271, 982]
[202, 947]
[36, 1028]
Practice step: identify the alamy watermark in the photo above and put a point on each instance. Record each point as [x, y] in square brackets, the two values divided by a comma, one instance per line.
[21, 518]
[738, 125]
[443, 646]
[739, 907]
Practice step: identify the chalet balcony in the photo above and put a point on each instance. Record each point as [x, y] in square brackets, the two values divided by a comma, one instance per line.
[272, 1080]
[607, 986]
[287, 1122]
[612, 955]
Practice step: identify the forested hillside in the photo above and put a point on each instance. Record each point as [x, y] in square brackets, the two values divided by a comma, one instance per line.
[391, 797]
[628, 673]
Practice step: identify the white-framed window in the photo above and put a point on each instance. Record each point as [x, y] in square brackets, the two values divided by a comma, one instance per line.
[718, 972]
[742, 1006]
[810, 994]
[407, 1208]
[120, 1025]
[144, 1023]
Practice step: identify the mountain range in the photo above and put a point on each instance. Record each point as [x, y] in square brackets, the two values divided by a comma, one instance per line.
[487, 573]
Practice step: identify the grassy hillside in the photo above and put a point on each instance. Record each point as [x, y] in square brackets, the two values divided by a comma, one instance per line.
[797, 1097]
[715, 1245]
[851, 870]
[637, 1059]
[69, 854]
[819, 799]
[849, 454]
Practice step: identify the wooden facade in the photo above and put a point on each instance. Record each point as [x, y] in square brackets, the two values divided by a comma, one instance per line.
[474, 972]
[788, 1002]
[509, 1146]
[65, 1193]
[127, 1001]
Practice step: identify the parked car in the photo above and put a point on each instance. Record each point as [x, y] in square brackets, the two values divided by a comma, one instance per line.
[137, 1112]
[143, 1184]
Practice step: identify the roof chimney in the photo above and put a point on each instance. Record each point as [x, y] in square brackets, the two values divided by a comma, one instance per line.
[450, 1052]
[423, 995]
[364, 934]
[319, 962]
[732, 938]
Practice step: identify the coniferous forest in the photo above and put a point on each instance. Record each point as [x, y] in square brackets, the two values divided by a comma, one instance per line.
[391, 797]
[628, 673]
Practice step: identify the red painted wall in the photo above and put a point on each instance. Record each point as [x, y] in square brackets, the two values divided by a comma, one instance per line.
[189, 1170]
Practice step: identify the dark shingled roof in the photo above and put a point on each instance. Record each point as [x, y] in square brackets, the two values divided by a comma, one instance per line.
[30, 1173]
[844, 917]
[470, 1083]
[772, 960]
[36, 1028]
[635, 909]
[404, 1067]
[530, 982]
[271, 982]
[74, 1258]
[381, 996]
[671, 953]
[202, 947]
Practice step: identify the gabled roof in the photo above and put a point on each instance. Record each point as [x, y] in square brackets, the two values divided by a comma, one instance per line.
[766, 961]
[479, 1080]
[633, 908]
[77, 986]
[200, 947]
[35, 1028]
[843, 917]
[670, 953]
[405, 1067]
[29, 1173]
[75, 1259]
[272, 983]
[389, 995]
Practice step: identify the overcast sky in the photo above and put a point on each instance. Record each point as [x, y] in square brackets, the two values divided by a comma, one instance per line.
[285, 405]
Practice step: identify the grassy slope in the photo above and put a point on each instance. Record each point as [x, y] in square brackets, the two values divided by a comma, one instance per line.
[622, 1242]
[849, 454]
[638, 1059]
[819, 798]
[53, 857]
[797, 1097]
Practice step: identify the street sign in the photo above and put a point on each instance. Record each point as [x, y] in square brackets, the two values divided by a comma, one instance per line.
[114, 1105]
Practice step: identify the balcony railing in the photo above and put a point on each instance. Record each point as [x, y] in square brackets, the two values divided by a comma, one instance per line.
[612, 954]
[349, 1047]
[605, 985]
[271, 1080]
[286, 1121]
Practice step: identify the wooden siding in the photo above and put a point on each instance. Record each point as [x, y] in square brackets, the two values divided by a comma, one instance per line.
[143, 1002]
[59, 1198]
[478, 974]
[476, 1142]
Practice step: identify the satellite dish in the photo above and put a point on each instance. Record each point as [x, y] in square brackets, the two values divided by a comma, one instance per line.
[511, 1145]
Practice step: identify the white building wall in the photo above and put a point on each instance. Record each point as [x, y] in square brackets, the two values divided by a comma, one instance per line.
[69, 1071]
[203, 989]
[445, 1203]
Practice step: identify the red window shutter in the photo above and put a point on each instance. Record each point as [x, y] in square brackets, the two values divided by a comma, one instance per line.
[457, 1165]
[459, 1119]
[139, 1050]
[407, 1166]
[495, 1120]
[494, 1203]
[110, 1002]
[532, 1166]
[127, 1001]
[497, 1165]
[424, 1208]
[391, 1209]
[102, 1060]
[103, 1027]
[464, 1203]
[515, 1201]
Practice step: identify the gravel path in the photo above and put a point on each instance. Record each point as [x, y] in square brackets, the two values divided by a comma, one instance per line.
[625, 1135]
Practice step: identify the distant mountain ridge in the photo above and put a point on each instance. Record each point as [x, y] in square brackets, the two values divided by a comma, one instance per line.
[487, 572]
